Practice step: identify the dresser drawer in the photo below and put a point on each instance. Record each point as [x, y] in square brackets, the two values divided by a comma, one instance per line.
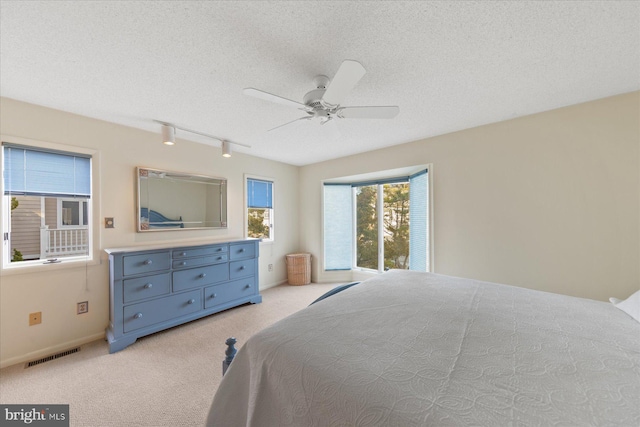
[146, 263]
[202, 251]
[194, 262]
[201, 276]
[239, 269]
[143, 314]
[242, 251]
[146, 287]
[223, 293]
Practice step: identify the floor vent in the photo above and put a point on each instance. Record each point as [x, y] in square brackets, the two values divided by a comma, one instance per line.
[52, 357]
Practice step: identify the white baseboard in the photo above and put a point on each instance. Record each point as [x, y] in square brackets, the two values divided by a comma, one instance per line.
[272, 285]
[34, 355]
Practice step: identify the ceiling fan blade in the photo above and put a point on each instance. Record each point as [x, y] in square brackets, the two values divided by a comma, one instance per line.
[292, 121]
[348, 75]
[331, 129]
[266, 96]
[386, 112]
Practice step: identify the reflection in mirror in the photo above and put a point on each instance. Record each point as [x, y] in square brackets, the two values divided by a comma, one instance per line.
[179, 201]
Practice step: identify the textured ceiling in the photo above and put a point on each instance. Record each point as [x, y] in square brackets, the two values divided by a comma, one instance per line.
[447, 65]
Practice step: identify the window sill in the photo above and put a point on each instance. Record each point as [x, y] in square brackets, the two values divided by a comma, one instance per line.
[40, 267]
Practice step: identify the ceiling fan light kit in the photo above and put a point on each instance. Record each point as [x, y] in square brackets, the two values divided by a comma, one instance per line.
[324, 102]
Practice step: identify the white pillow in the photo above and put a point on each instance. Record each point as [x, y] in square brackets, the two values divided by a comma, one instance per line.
[631, 305]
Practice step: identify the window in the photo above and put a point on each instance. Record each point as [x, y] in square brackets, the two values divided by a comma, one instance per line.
[72, 213]
[47, 207]
[377, 225]
[260, 208]
[367, 226]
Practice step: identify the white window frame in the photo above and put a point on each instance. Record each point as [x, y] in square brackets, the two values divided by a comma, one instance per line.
[271, 211]
[93, 207]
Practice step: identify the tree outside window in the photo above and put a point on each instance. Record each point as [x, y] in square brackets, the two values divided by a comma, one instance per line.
[258, 225]
[393, 226]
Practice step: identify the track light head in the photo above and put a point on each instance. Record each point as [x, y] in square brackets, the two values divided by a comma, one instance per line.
[226, 149]
[168, 135]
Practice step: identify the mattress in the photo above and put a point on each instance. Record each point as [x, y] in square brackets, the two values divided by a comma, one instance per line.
[411, 349]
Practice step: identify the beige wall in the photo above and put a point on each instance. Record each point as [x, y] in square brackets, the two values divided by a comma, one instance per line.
[548, 201]
[56, 290]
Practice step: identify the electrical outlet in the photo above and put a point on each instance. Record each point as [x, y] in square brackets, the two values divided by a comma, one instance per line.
[35, 318]
[108, 223]
[270, 267]
[83, 307]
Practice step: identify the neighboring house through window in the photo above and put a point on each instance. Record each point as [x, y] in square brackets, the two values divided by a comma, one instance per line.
[377, 224]
[72, 213]
[47, 200]
[259, 208]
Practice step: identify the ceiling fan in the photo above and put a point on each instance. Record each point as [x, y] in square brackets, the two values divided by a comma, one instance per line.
[323, 102]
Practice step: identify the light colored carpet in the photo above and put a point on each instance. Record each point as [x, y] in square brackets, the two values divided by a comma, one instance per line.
[165, 379]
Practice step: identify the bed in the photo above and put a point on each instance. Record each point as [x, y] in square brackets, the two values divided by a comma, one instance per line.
[411, 349]
[154, 219]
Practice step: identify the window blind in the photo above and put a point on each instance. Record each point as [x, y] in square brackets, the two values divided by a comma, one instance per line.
[419, 221]
[259, 193]
[338, 227]
[35, 172]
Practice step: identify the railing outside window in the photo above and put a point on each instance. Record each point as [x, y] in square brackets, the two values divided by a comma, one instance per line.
[63, 242]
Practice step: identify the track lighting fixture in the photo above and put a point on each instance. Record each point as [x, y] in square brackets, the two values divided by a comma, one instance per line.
[226, 149]
[168, 137]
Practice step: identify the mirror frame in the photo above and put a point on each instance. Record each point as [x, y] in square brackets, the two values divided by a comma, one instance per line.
[143, 227]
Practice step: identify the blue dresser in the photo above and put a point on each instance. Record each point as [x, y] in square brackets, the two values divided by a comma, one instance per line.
[155, 289]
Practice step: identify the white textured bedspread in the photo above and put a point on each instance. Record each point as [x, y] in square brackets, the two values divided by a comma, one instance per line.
[413, 349]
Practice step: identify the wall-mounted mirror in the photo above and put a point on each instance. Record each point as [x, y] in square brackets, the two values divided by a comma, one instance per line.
[180, 201]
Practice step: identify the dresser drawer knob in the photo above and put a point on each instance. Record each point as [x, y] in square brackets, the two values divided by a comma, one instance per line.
[241, 250]
[148, 262]
[148, 286]
[183, 254]
[137, 315]
[214, 295]
[242, 267]
[183, 263]
[247, 286]
[203, 275]
[191, 301]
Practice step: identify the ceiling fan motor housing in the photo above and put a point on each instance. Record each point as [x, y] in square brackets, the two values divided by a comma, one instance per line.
[313, 98]
[321, 81]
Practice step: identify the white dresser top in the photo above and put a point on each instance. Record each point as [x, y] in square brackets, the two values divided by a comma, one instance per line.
[177, 244]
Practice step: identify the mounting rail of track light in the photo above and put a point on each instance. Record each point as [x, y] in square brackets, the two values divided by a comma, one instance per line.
[168, 137]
